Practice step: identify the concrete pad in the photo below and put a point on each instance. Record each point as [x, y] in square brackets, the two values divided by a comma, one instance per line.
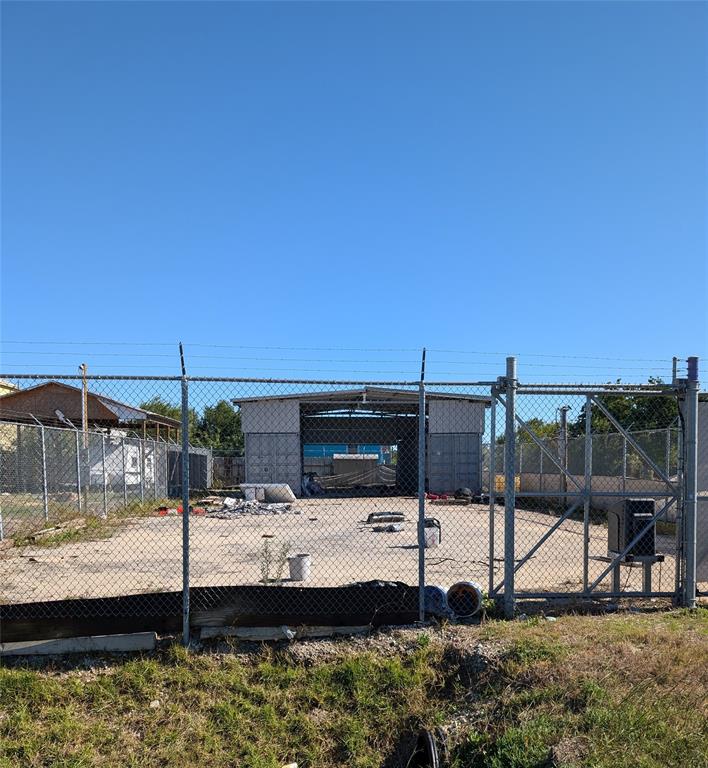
[140, 641]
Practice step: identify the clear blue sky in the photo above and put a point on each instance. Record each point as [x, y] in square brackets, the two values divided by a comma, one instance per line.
[480, 177]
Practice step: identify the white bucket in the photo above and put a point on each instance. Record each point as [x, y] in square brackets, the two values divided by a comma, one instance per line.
[300, 567]
[432, 537]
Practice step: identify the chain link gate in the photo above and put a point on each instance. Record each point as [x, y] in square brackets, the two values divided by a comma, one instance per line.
[593, 508]
[355, 501]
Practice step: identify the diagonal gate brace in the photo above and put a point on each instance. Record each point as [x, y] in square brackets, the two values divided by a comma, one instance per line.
[633, 443]
[545, 450]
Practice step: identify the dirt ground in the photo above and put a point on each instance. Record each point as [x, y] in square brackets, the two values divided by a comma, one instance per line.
[145, 555]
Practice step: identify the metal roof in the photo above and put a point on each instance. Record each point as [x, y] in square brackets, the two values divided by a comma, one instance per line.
[366, 394]
[122, 411]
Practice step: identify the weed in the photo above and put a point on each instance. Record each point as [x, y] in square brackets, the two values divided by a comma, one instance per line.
[272, 562]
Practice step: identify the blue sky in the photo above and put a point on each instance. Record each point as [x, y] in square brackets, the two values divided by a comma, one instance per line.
[331, 178]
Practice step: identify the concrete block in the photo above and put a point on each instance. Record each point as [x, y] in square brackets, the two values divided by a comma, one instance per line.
[140, 641]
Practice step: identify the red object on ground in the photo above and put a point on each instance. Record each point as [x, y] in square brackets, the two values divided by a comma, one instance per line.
[197, 511]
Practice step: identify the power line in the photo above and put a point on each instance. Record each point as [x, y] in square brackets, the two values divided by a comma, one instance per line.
[320, 360]
[342, 349]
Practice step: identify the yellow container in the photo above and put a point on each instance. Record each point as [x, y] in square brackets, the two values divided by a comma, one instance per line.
[499, 484]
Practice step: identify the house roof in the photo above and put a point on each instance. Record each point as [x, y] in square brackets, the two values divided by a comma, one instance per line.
[42, 401]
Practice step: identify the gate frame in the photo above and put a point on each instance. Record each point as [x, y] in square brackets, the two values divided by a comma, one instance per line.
[683, 493]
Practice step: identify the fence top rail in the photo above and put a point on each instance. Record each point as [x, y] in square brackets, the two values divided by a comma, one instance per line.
[530, 389]
[594, 389]
[133, 435]
[245, 380]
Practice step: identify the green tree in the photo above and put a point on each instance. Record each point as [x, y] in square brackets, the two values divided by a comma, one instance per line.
[159, 405]
[220, 428]
[633, 412]
[540, 428]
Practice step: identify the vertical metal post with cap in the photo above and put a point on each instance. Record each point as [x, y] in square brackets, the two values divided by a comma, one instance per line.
[421, 491]
[509, 487]
[690, 503]
[185, 501]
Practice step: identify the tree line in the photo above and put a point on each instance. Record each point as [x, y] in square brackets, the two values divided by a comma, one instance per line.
[218, 427]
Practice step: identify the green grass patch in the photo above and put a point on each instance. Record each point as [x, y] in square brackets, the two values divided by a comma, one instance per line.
[603, 692]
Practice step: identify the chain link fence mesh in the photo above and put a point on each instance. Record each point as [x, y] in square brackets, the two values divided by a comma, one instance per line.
[316, 484]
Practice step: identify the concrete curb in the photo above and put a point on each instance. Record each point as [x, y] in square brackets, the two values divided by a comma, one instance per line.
[140, 641]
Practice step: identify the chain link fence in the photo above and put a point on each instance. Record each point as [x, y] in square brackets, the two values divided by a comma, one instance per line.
[363, 499]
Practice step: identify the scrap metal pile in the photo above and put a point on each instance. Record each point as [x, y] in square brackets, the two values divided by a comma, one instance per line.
[228, 508]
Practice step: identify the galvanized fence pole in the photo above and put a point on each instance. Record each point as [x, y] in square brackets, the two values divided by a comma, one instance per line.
[124, 473]
[492, 485]
[690, 503]
[421, 493]
[509, 487]
[668, 452]
[141, 444]
[588, 489]
[154, 469]
[166, 456]
[624, 464]
[680, 549]
[45, 490]
[78, 471]
[103, 470]
[185, 504]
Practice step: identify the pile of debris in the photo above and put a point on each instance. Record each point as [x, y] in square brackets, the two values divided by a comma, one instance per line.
[228, 507]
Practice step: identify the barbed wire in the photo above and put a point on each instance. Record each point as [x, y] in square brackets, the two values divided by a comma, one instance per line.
[282, 348]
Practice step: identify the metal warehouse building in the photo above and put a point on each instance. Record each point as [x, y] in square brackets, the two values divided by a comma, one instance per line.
[277, 427]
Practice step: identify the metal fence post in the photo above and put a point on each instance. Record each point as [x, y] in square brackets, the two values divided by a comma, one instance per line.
[421, 493]
[521, 458]
[563, 451]
[185, 503]
[691, 482]
[141, 443]
[588, 485]
[154, 469]
[103, 470]
[492, 486]
[78, 471]
[624, 464]
[680, 549]
[45, 492]
[509, 487]
[668, 452]
[124, 473]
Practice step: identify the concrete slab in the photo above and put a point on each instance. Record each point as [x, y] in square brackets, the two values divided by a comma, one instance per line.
[141, 641]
